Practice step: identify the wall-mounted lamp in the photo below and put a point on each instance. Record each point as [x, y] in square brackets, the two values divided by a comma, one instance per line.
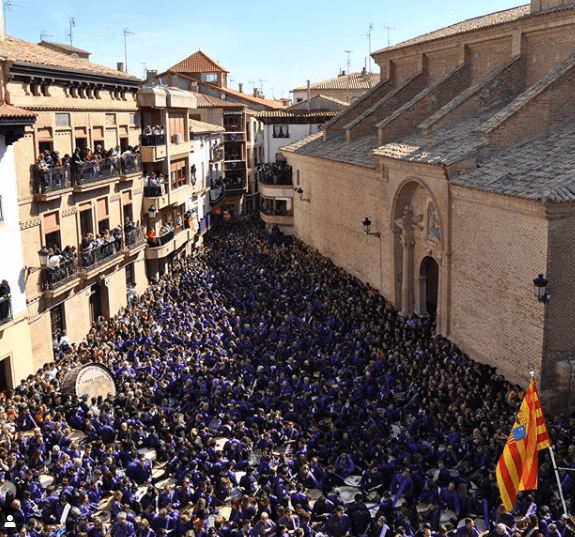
[43, 255]
[152, 210]
[367, 228]
[540, 289]
[300, 195]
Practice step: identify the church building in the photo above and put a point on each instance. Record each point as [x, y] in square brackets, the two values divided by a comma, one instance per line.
[450, 187]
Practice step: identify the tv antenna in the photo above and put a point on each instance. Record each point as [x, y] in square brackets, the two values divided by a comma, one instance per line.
[126, 34]
[388, 28]
[44, 34]
[348, 52]
[261, 86]
[71, 34]
[145, 69]
[368, 35]
[8, 5]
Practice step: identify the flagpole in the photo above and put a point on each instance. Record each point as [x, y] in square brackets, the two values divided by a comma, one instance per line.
[558, 480]
[532, 373]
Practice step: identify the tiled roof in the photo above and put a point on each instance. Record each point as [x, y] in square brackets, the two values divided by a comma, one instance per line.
[270, 103]
[469, 25]
[198, 127]
[68, 48]
[208, 101]
[539, 169]
[18, 50]
[199, 62]
[8, 111]
[449, 144]
[298, 113]
[351, 81]
[359, 151]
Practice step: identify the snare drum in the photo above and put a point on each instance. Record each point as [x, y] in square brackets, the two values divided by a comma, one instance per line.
[45, 480]
[352, 480]
[347, 494]
[149, 453]
[224, 511]
[8, 486]
[220, 442]
[77, 435]
[446, 516]
[167, 482]
[314, 494]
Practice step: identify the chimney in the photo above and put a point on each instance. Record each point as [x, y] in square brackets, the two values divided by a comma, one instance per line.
[240, 87]
[120, 66]
[151, 76]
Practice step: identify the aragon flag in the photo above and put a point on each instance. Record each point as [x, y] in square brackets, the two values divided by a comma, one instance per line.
[517, 467]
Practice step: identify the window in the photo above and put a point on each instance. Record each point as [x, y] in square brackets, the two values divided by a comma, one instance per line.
[62, 119]
[5, 374]
[211, 78]
[51, 227]
[57, 319]
[86, 225]
[110, 120]
[281, 131]
[102, 215]
[1, 210]
[130, 275]
[133, 118]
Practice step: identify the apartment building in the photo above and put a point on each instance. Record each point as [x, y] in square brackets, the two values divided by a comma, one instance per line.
[79, 193]
[181, 158]
[235, 111]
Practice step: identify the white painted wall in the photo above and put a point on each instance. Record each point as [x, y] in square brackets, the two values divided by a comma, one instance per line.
[12, 266]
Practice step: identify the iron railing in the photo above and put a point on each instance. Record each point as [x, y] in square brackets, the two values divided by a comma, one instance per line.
[58, 276]
[5, 309]
[97, 255]
[153, 139]
[135, 237]
[52, 179]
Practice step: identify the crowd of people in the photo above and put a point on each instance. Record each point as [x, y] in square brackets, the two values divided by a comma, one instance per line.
[264, 392]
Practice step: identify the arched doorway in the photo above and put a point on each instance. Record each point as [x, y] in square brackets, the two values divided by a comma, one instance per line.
[429, 282]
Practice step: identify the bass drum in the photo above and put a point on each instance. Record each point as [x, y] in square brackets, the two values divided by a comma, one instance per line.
[90, 380]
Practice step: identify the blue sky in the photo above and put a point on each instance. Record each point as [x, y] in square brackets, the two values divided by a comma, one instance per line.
[269, 44]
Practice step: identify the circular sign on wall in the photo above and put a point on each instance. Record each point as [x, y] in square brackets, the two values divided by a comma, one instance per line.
[91, 380]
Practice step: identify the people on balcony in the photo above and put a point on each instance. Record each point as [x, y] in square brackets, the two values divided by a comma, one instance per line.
[100, 247]
[154, 185]
[276, 173]
[4, 301]
[152, 239]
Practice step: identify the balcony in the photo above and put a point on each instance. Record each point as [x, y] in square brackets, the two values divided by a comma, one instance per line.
[134, 239]
[274, 174]
[49, 183]
[89, 175]
[153, 147]
[100, 257]
[164, 245]
[129, 165]
[216, 155]
[5, 309]
[60, 278]
[276, 216]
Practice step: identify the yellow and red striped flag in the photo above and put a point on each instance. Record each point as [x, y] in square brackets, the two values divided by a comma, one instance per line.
[517, 467]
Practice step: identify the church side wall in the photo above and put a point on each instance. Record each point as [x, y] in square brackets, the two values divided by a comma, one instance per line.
[498, 248]
[342, 196]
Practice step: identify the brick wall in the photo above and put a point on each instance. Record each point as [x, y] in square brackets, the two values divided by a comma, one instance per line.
[498, 246]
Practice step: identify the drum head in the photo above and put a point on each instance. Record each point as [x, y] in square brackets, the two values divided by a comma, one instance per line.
[347, 494]
[314, 494]
[225, 511]
[352, 480]
[45, 480]
[8, 486]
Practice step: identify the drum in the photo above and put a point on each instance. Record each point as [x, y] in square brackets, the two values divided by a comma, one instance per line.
[239, 475]
[352, 480]
[224, 511]
[446, 516]
[141, 492]
[158, 473]
[480, 524]
[89, 380]
[149, 453]
[8, 486]
[373, 496]
[45, 480]
[167, 482]
[422, 508]
[104, 516]
[347, 494]
[373, 508]
[220, 442]
[78, 436]
[314, 494]
[395, 430]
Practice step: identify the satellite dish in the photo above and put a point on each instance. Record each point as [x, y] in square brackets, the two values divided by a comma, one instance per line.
[75, 56]
[223, 96]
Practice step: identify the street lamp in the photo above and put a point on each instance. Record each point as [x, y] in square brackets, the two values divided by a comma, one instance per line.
[367, 228]
[43, 255]
[300, 194]
[540, 289]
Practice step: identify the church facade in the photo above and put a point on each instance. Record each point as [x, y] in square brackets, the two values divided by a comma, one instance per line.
[461, 161]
